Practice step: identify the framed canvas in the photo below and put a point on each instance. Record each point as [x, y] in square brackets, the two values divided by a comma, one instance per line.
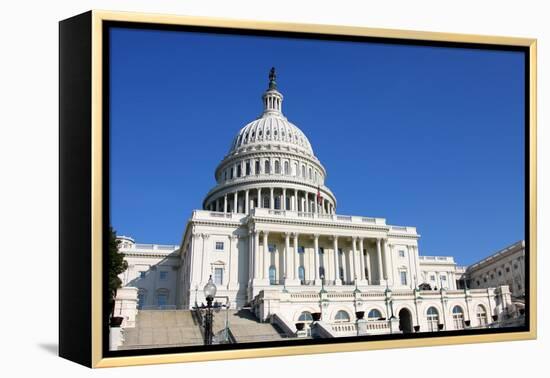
[233, 189]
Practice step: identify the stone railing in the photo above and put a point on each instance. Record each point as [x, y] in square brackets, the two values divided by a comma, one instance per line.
[437, 259]
[217, 215]
[324, 217]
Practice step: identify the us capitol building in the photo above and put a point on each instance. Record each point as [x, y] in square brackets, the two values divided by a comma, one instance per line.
[271, 238]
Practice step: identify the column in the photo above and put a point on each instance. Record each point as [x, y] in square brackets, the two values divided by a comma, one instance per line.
[250, 256]
[337, 280]
[271, 200]
[316, 257]
[367, 258]
[379, 258]
[354, 257]
[283, 207]
[361, 260]
[267, 261]
[296, 257]
[233, 263]
[387, 262]
[235, 204]
[295, 200]
[260, 204]
[246, 204]
[225, 203]
[257, 265]
[288, 271]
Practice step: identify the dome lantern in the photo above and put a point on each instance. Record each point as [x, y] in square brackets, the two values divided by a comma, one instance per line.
[272, 98]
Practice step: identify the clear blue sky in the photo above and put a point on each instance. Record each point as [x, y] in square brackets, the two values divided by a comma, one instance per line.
[423, 136]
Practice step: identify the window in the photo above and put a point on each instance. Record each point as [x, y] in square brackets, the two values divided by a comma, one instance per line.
[492, 276]
[322, 272]
[305, 317]
[277, 167]
[341, 317]
[484, 279]
[219, 246]
[277, 202]
[401, 253]
[310, 175]
[458, 317]
[303, 171]
[266, 203]
[478, 283]
[403, 277]
[321, 251]
[163, 275]
[374, 314]
[499, 273]
[296, 169]
[239, 170]
[231, 173]
[481, 316]
[340, 252]
[507, 269]
[432, 277]
[301, 249]
[516, 266]
[301, 273]
[218, 276]
[257, 167]
[271, 247]
[287, 168]
[272, 275]
[142, 274]
[142, 296]
[443, 278]
[247, 167]
[433, 319]
[162, 298]
[266, 167]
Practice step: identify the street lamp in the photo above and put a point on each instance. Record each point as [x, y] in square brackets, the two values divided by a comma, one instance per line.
[209, 293]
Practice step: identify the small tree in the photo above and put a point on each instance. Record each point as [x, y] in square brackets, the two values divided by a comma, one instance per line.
[117, 265]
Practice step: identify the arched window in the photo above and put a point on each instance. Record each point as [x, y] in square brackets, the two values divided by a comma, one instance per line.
[257, 167]
[247, 170]
[481, 315]
[305, 317]
[310, 175]
[267, 167]
[272, 275]
[142, 297]
[162, 298]
[296, 172]
[315, 176]
[277, 167]
[301, 274]
[458, 317]
[433, 319]
[374, 314]
[266, 203]
[287, 168]
[342, 317]
[303, 171]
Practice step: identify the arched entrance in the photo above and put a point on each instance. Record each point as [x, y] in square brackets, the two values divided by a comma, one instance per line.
[405, 321]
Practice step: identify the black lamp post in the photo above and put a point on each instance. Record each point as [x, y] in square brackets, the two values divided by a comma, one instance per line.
[209, 293]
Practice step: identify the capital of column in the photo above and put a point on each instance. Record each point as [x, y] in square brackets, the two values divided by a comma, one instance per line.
[316, 237]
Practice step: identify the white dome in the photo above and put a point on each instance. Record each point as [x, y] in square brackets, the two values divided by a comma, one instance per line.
[271, 129]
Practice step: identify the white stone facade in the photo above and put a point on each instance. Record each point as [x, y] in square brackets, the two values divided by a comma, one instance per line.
[270, 237]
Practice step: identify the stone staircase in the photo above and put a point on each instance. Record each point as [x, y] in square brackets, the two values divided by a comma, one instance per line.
[162, 328]
[245, 327]
[173, 328]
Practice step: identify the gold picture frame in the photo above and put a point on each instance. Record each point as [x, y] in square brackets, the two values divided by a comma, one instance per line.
[83, 36]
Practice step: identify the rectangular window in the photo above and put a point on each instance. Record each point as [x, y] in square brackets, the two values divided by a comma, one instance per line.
[321, 251]
[163, 275]
[401, 253]
[340, 252]
[272, 247]
[443, 278]
[432, 278]
[142, 274]
[301, 249]
[218, 276]
[162, 300]
[219, 246]
[403, 276]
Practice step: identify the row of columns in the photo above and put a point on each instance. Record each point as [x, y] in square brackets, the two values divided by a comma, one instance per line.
[300, 200]
[260, 260]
